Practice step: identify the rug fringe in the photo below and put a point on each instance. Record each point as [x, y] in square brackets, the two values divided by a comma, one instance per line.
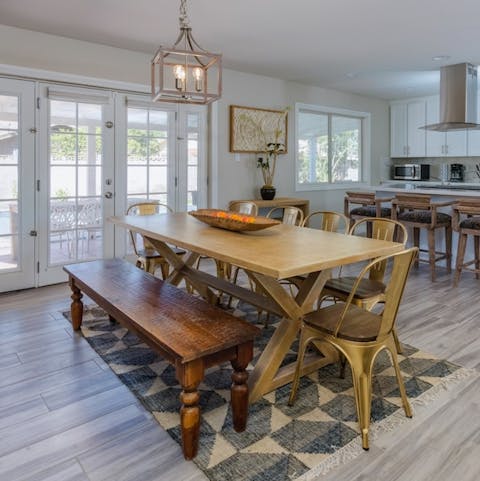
[390, 423]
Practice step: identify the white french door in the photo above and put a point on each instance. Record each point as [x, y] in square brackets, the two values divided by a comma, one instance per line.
[17, 179]
[71, 157]
[76, 188]
[163, 147]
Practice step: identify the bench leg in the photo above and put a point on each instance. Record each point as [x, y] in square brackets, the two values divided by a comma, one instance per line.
[239, 390]
[76, 308]
[190, 375]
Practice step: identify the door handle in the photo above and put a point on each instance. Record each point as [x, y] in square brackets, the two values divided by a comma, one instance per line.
[108, 195]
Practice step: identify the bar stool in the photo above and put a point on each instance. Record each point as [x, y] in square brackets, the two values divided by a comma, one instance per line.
[419, 212]
[466, 221]
[370, 206]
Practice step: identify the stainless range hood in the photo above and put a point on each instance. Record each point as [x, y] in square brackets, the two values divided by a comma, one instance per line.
[458, 98]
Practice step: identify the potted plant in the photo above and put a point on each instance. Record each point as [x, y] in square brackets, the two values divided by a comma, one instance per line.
[267, 163]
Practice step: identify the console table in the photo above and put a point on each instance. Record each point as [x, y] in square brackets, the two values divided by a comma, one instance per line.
[303, 204]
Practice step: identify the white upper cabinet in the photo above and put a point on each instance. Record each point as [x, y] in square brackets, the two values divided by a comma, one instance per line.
[443, 144]
[473, 136]
[406, 137]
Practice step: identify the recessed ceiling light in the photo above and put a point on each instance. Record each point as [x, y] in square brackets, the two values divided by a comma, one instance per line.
[439, 58]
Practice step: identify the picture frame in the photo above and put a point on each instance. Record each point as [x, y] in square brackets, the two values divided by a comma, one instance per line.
[251, 129]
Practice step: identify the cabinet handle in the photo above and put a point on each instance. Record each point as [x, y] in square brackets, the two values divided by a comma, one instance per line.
[443, 149]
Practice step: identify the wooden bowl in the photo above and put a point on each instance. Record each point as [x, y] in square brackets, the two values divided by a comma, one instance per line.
[233, 221]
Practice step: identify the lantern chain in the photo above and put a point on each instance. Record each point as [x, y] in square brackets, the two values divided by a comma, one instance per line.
[184, 21]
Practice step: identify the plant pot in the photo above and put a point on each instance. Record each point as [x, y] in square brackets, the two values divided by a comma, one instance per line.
[267, 192]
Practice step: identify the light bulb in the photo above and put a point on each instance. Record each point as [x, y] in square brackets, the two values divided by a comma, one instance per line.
[198, 75]
[179, 72]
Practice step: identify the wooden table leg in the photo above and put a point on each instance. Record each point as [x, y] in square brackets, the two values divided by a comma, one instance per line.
[76, 308]
[239, 390]
[265, 376]
[190, 375]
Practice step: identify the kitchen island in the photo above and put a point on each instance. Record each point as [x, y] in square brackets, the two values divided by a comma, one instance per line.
[439, 192]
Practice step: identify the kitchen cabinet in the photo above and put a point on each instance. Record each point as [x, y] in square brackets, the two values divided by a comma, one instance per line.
[443, 144]
[406, 137]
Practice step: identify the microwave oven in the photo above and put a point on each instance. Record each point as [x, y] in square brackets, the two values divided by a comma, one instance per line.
[411, 171]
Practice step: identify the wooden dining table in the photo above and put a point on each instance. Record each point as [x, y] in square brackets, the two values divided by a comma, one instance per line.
[267, 256]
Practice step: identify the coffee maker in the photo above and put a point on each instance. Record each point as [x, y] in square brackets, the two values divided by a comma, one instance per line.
[457, 172]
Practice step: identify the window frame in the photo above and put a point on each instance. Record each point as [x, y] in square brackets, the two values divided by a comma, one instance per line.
[365, 118]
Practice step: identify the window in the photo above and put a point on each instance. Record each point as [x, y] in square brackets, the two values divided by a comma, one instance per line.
[331, 146]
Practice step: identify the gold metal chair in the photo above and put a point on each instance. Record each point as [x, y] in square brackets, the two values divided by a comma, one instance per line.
[371, 290]
[323, 220]
[466, 221]
[290, 215]
[244, 207]
[359, 335]
[148, 258]
[419, 212]
[328, 221]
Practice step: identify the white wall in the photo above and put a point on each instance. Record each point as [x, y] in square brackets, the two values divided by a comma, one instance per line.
[236, 174]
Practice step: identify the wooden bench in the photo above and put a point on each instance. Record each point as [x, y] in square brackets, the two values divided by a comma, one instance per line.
[187, 331]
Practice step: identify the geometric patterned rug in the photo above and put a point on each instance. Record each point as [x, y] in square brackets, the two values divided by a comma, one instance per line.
[280, 443]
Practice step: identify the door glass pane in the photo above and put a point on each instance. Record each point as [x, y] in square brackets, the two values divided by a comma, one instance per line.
[137, 122]
[147, 145]
[8, 147]
[137, 150]
[9, 185]
[137, 180]
[63, 144]
[90, 228]
[158, 150]
[8, 112]
[158, 123]
[158, 179]
[89, 181]
[63, 116]
[8, 217]
[75, 160]
[63, 182]
[90, 118]
[8, 182]
[8, 242]
[89, 149]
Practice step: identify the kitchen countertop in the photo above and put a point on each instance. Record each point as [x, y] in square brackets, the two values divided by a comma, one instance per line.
[452, 189]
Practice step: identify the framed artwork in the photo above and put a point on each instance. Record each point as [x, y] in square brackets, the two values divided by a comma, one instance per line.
[252, 129]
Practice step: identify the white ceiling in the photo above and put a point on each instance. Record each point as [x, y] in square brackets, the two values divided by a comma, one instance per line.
[380, 48]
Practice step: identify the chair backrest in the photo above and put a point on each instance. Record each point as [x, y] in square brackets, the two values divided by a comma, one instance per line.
[402, 262]
[362, 198]
[467, 207]
[328, 221]
[150, 207]
[380, 229]
[291, 215]
[244, 207]
[412, 201]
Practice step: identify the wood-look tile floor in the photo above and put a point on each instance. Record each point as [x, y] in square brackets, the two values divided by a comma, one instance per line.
[64, 416]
